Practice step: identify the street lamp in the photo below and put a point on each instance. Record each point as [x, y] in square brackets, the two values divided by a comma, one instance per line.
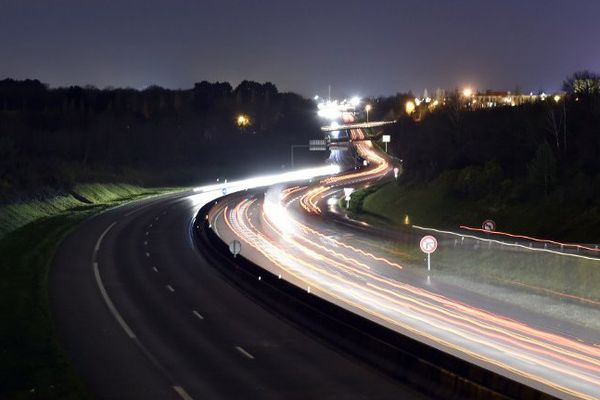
[367, 109]
[396, 170]
[409, 107]
[243, 121]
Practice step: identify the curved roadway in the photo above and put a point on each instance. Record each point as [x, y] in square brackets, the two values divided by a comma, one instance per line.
[143, 315]
[285, 230]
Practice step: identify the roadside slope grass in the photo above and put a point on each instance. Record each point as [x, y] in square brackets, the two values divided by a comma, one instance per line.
[431, 206]
[32, 364]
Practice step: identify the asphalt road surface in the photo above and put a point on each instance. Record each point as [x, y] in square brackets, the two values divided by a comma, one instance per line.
[143, 315]
[286, 230]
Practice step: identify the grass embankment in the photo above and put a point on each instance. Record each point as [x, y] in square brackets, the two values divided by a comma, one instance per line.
[431, 206]
[32, 364]
[434, 205]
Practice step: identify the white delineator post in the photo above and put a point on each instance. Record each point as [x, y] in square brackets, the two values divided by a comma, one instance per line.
[347, 193]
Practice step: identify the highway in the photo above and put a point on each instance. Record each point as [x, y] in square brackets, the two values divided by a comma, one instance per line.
[287, 230]
[144, 314]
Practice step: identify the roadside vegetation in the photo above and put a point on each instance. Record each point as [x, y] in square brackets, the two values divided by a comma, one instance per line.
[533, 168]
[32, 364]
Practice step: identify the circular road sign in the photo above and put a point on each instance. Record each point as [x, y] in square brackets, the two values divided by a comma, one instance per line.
[428, 244]
[489, 225]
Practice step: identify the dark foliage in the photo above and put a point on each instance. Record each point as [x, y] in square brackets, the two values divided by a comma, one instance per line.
[55, 137]
[546, 150]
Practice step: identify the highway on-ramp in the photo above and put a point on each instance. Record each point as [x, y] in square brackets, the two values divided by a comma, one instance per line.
[143, 314]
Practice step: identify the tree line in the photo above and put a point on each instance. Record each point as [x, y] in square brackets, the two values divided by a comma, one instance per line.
[546, 151]
[54, 137]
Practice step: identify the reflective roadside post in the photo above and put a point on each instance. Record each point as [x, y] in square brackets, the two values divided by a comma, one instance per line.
[235, 247]
[347, 193]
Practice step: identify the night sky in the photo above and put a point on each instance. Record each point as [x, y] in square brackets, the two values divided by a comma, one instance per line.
[359, 47]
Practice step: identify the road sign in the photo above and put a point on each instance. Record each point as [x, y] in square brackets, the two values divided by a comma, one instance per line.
[317, 145]
[489, 225]
[428, 244]
[386, 138]
[235, 247]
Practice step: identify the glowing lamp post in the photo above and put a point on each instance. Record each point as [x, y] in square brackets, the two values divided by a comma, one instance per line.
[396, 170]
[410, 107]
[368, 108]
[243, 121]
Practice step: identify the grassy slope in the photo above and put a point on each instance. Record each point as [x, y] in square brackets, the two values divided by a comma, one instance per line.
[433, 208]
[32, 364]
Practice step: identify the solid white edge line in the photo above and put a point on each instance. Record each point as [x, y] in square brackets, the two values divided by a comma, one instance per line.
[197, 314]
[101, 238]
[110, 304]
[178, 389]
[182, 393]
[244, 352]
[558, 253]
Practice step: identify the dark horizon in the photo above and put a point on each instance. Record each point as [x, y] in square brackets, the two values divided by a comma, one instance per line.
[359, 49]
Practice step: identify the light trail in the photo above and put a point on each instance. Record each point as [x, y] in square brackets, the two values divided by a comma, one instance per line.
[516, 245]
[472, 325]
[533, 239]
[276, 238]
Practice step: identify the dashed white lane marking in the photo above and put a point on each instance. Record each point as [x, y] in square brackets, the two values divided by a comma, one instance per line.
[170, 288]
[182, 393]
[145, 243]
[113, 310]
[244, 352]
[155, 269]
[147, 254]
[197, 314]
[146, 233]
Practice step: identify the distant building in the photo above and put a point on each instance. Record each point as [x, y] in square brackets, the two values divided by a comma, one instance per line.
[491, 99]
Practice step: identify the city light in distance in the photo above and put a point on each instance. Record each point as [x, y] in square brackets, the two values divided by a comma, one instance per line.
[243, 120]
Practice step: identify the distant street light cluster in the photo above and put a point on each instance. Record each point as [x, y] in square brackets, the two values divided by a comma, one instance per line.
[470, 98]
[491, 99]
